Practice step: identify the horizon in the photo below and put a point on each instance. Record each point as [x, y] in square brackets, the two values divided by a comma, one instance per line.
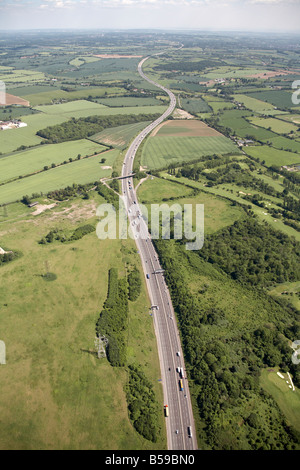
[253, 16]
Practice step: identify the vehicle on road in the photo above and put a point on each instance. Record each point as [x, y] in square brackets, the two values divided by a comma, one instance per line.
[166, 411]
[180, 385]
[189, 431]
[147, 276]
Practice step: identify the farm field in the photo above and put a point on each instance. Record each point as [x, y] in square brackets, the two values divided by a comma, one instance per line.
[82, 108]
[45, 95]
[80, 172]
[232, 72]
[272, 156]
[275, 125]
[284, 143]
[71, 108]
[195, 105]
[128, 101]
[245, 129]
[56, 394]
[11, 140]
[295, 118]
[254, 104]
[120, 136]
[160, 151]
[182, 142]
[21, 76]
[278, 98]
[29, 161]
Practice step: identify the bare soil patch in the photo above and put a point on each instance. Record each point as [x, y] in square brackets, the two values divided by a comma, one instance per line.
[181, 114]
[41, 208]
[11, 99]
[271, 74]
[190, 128]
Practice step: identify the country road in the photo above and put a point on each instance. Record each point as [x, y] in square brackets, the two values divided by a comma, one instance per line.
[181, 434]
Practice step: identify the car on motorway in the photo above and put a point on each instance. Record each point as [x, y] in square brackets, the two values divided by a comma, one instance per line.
[147, 276]
[178, 353]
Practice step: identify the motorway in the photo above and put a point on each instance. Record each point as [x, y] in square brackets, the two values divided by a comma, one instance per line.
[180, 419]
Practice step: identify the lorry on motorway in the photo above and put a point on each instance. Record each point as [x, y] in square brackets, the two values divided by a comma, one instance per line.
[166, 411]
[181, 373]
[189, 431]
[180, 385]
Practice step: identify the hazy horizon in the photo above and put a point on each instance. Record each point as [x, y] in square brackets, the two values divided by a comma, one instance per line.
[257, 16]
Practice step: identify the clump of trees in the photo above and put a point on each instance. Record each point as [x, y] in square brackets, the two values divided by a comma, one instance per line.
[109, 195]
[9, 256]
[254, 253]
[82, 128]
[142, 405]
[62, 236]
[70, 191]
[113, 319]
[134, 284]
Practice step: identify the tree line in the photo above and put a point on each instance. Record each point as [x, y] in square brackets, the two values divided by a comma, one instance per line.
[82, 128]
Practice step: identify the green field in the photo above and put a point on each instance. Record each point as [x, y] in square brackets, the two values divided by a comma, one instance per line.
[12, 139]
[195, 105]
[83, 171]
[233, 192]
[79, 108]
[287, 400]
[30, 161]
[278, 98]
[162, 151]
[254, 104]
[120, 136]
[275, 125]
[272, 156]
[284, 143]
[21, 76]
[157, 189]
[128, 101]
[45, 95]
[55, 393]
[218, 213]
[290, 291]
[82, 108]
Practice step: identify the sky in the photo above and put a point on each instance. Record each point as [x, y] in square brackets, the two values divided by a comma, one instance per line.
[213, 15]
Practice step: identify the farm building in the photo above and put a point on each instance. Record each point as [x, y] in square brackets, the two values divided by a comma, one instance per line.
[6, 125]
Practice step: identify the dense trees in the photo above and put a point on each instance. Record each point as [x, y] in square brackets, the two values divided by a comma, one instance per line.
[134, 284]
[112, 322]
[81, 128]
[254, 253]
[223, 358]
[9, 256]
[142, 405]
